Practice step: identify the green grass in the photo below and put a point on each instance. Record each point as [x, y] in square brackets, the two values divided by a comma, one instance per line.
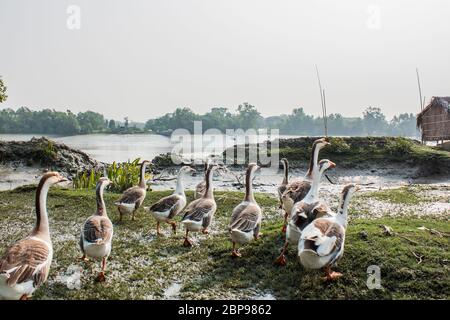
[403, 195]
[142, 265]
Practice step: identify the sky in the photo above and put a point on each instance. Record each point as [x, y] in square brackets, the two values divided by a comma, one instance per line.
[144, 58]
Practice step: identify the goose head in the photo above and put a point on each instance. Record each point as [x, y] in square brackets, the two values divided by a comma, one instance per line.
[326, 164]
[349, 190]
[53, 177]
[103, 181]
[187, 169]
[321, 143]
[252, 169]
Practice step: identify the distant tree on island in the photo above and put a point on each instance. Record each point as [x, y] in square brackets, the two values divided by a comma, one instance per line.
[3, 95]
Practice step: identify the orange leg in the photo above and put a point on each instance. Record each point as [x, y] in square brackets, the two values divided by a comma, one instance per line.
[187, 242]
[101, 276]
[84, 258]
[24, 297]
[283, 230]
[158, 232]
[205, 231]
[235, 253]
[331, 275]
[281, 260]
[174, 226]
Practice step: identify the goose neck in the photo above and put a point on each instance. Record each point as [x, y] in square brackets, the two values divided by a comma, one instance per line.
[249, 187]
[42, 225]
[312, 170]
[180, 186]
[142, 175]
[286, 172]
[101, 207]
[209, 192]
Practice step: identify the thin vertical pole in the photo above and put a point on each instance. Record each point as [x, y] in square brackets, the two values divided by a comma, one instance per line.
[420, 89]
[325, 117]
[322, 100]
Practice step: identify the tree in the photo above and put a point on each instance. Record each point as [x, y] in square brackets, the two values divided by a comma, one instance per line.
[404, 125]
[90, 121]
[248, 116]
[3, 88]
[218, 118]
[374, 121]
[111, 124]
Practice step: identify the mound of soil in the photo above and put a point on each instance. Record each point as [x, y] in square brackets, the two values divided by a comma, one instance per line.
[47, 154]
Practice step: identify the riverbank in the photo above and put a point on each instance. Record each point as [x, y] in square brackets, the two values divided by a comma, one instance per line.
[374, 153]
[414, 263]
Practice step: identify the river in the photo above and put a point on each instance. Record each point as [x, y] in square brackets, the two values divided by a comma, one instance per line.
[120, 148]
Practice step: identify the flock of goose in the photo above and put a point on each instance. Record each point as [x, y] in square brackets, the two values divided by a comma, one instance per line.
[317, 231]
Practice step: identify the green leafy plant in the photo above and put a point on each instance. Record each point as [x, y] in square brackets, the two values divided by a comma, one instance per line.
[122, 175]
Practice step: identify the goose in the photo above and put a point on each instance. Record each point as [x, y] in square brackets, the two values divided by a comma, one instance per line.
[97, 232]
[282, 187]
[297, 189]
[321, 243]
[169, 207]
[199, 213]
[25, 265]
[305, 211]
[201, 186]
[132, 198]
[246, 218]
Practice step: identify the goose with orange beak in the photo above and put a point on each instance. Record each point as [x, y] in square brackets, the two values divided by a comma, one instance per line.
[305, 211]
[26, 264]
[321, 243]
[246, 218]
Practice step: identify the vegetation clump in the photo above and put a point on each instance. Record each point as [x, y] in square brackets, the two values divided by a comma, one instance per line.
[122, 176]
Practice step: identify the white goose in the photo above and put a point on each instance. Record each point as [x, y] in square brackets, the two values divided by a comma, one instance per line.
[246, 218]
[297, 189]
[169, 207]
[321, 244]
[26, 264]
[132, 198]
[199, 213]
[97, 232]
[306, 211]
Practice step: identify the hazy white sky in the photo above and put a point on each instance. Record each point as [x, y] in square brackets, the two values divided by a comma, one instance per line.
[144, 58]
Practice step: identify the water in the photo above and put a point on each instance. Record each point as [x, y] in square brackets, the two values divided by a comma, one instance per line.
[119, 148]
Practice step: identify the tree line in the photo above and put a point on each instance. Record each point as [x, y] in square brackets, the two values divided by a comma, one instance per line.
[47, 121]
[372, 122]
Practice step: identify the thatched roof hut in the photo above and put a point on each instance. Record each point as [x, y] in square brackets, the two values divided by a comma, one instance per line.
[434, 120]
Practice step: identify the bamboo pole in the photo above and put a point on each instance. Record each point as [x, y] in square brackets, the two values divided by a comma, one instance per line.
[420, 89]
[325, 117]
[322, 100]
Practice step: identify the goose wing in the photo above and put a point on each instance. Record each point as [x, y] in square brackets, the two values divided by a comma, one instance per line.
[132, 195]
[331, 233]
[298, 189]
[245, 217]
[24, 261]
[199, 209]
[172, 203]
[97, 229]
